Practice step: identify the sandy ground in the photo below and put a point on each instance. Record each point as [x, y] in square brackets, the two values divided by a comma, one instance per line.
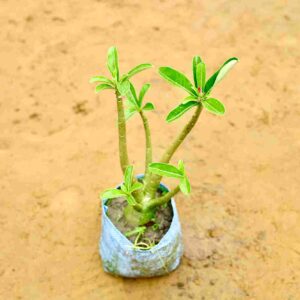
[58, 146]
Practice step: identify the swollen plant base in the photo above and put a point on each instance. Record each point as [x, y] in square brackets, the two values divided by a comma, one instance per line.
[154, 231]
[119, 257]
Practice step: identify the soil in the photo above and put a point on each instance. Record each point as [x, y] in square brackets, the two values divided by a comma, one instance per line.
[155, 229]
[59, 150]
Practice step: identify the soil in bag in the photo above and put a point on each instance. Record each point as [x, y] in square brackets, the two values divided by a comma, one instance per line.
[155, 229]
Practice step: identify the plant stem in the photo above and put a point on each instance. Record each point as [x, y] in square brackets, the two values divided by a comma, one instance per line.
[123, 153]
[138, 207]
[148, 158]
[161, 200]
[182, 135]
[154, 180]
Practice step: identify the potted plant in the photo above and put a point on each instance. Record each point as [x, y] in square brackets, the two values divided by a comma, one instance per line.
[141, 235]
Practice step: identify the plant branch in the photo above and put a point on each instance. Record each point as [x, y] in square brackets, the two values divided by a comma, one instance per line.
[161, 200]
[148, 158]
[154, 180]
[123, 153]
[182, 135]
[138, 207]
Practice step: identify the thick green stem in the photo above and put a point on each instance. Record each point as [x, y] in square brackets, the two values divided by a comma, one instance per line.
[182, 135]
[123, 153]
[148, 158]
[154, 180]
[138, 207]
[161, 200]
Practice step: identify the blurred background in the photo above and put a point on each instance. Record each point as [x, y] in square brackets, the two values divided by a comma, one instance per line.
[58, 145]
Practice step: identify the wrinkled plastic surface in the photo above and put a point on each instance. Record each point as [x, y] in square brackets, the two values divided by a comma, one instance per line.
[120, 258]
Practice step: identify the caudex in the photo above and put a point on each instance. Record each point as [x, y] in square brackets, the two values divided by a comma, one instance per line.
[141, 195]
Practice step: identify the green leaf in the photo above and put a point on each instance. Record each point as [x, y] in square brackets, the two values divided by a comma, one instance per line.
[196, 61]
[181, 167]
[124, 77]
[113, 62]
[216, 77]
[143, 91]
[176, 78]
[138, 69]
[201, 74]
[102, 79]
[196, 91]
[129, 113]
[123, 87]
[131, 97]
[180, 110]
[124, 189]
[102, 87]
[164, 169]
[130, 199]
[214, 106]
[112, 193]
[133, 92]
[128, 176]
[189, 98]
[136, 186]
[227, 66]
[185, 185]
[148, 106]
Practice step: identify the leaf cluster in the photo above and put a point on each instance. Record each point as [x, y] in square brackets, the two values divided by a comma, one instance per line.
[198, 91]
[135, 103]
[126, 189]
[168, 170]
[117, 82]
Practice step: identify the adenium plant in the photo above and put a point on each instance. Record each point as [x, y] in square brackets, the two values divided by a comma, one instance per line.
[142, 194]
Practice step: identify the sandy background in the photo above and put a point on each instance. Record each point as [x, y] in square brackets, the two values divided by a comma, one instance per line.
[58, 146]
